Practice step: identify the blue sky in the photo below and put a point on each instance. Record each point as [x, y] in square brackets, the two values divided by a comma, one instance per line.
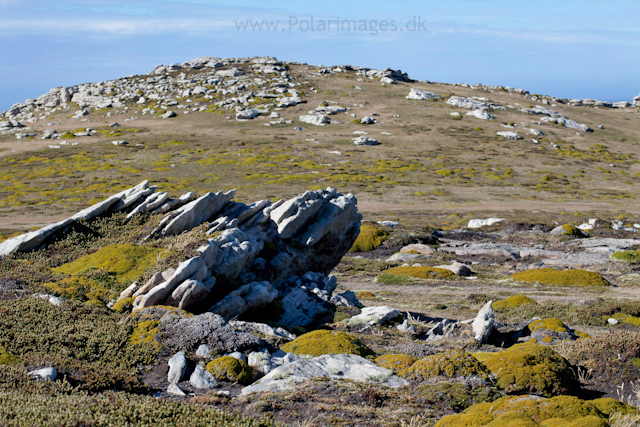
[573, 49]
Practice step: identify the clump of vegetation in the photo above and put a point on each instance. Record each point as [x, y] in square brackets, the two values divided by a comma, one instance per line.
[532, 411]
[571, 277]
[551, 324]
[125, 262]
[451, 364]
[612, 357]
[6, 358]
[145, 333]
[123, 305]
[371, 236]
[570, 230]
[511, 302]
[456, 395]
[390, 279]
[628, 256]
[88, 343]
[230, 369]
[317, 343]
[421, 272]
[531, 368]
[117, 409]
[365, 295]
[395, 362]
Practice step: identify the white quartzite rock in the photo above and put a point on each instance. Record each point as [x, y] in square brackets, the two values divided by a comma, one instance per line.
[335, 366]
[202, 379]
[315, 119]
[477, 223]
[177, 367]
[374, 315]
[420, 94]
[483, 323]
[363, 140]
[44, 373]
[510, 135]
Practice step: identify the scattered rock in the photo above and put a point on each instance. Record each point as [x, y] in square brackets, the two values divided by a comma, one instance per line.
[363, 140]
[202, 379]
[510, 135]
[315, 119]
[335, 366]
[177, 367]
[483, 323]
[374, 315]
[480, 114]
[478, 223]
[44, 373]
[174, 390]
[420, 94]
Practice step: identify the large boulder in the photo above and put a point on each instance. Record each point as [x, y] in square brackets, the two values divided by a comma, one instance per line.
[420, 94]
[334, 366]
[188, 333]
[315, 119]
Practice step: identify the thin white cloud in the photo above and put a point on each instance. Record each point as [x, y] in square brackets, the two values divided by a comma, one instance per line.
[568, 37]
[113, 27]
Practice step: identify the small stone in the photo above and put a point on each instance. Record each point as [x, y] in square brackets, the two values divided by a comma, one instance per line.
[174, 390]
[612, 321]
[202, 379]
[45, 373]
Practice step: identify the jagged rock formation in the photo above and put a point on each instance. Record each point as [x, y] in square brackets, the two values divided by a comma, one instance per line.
[265, 250]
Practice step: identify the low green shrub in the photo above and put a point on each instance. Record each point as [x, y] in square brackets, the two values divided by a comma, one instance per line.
[551, 276]
[531, 368]
[371, 236]
[451, 364]
[317, 343]
[230, 369]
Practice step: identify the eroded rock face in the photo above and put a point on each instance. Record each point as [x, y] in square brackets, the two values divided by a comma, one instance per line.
[263, 250]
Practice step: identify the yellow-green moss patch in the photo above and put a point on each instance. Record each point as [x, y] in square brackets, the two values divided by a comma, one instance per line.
[550, 276]
[531, 368]
[125, 262]
[421, 272]
[145, 332]
[570, 230]
[371, 236]
[6, 358]
[78, 287]
[125, 304]
[628, 256]
[511, 302]
[321, 342]
[632, 320]
[395, 362]
[230, 369]
[551, 324]
[524, 411]
[451, 364]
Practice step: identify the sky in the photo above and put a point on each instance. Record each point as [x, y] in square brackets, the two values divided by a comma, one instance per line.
[570, 49]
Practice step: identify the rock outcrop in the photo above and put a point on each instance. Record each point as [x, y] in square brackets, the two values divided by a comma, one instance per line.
[264, 250]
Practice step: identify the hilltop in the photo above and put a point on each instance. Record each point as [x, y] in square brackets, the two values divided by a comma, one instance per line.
[234, 124]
